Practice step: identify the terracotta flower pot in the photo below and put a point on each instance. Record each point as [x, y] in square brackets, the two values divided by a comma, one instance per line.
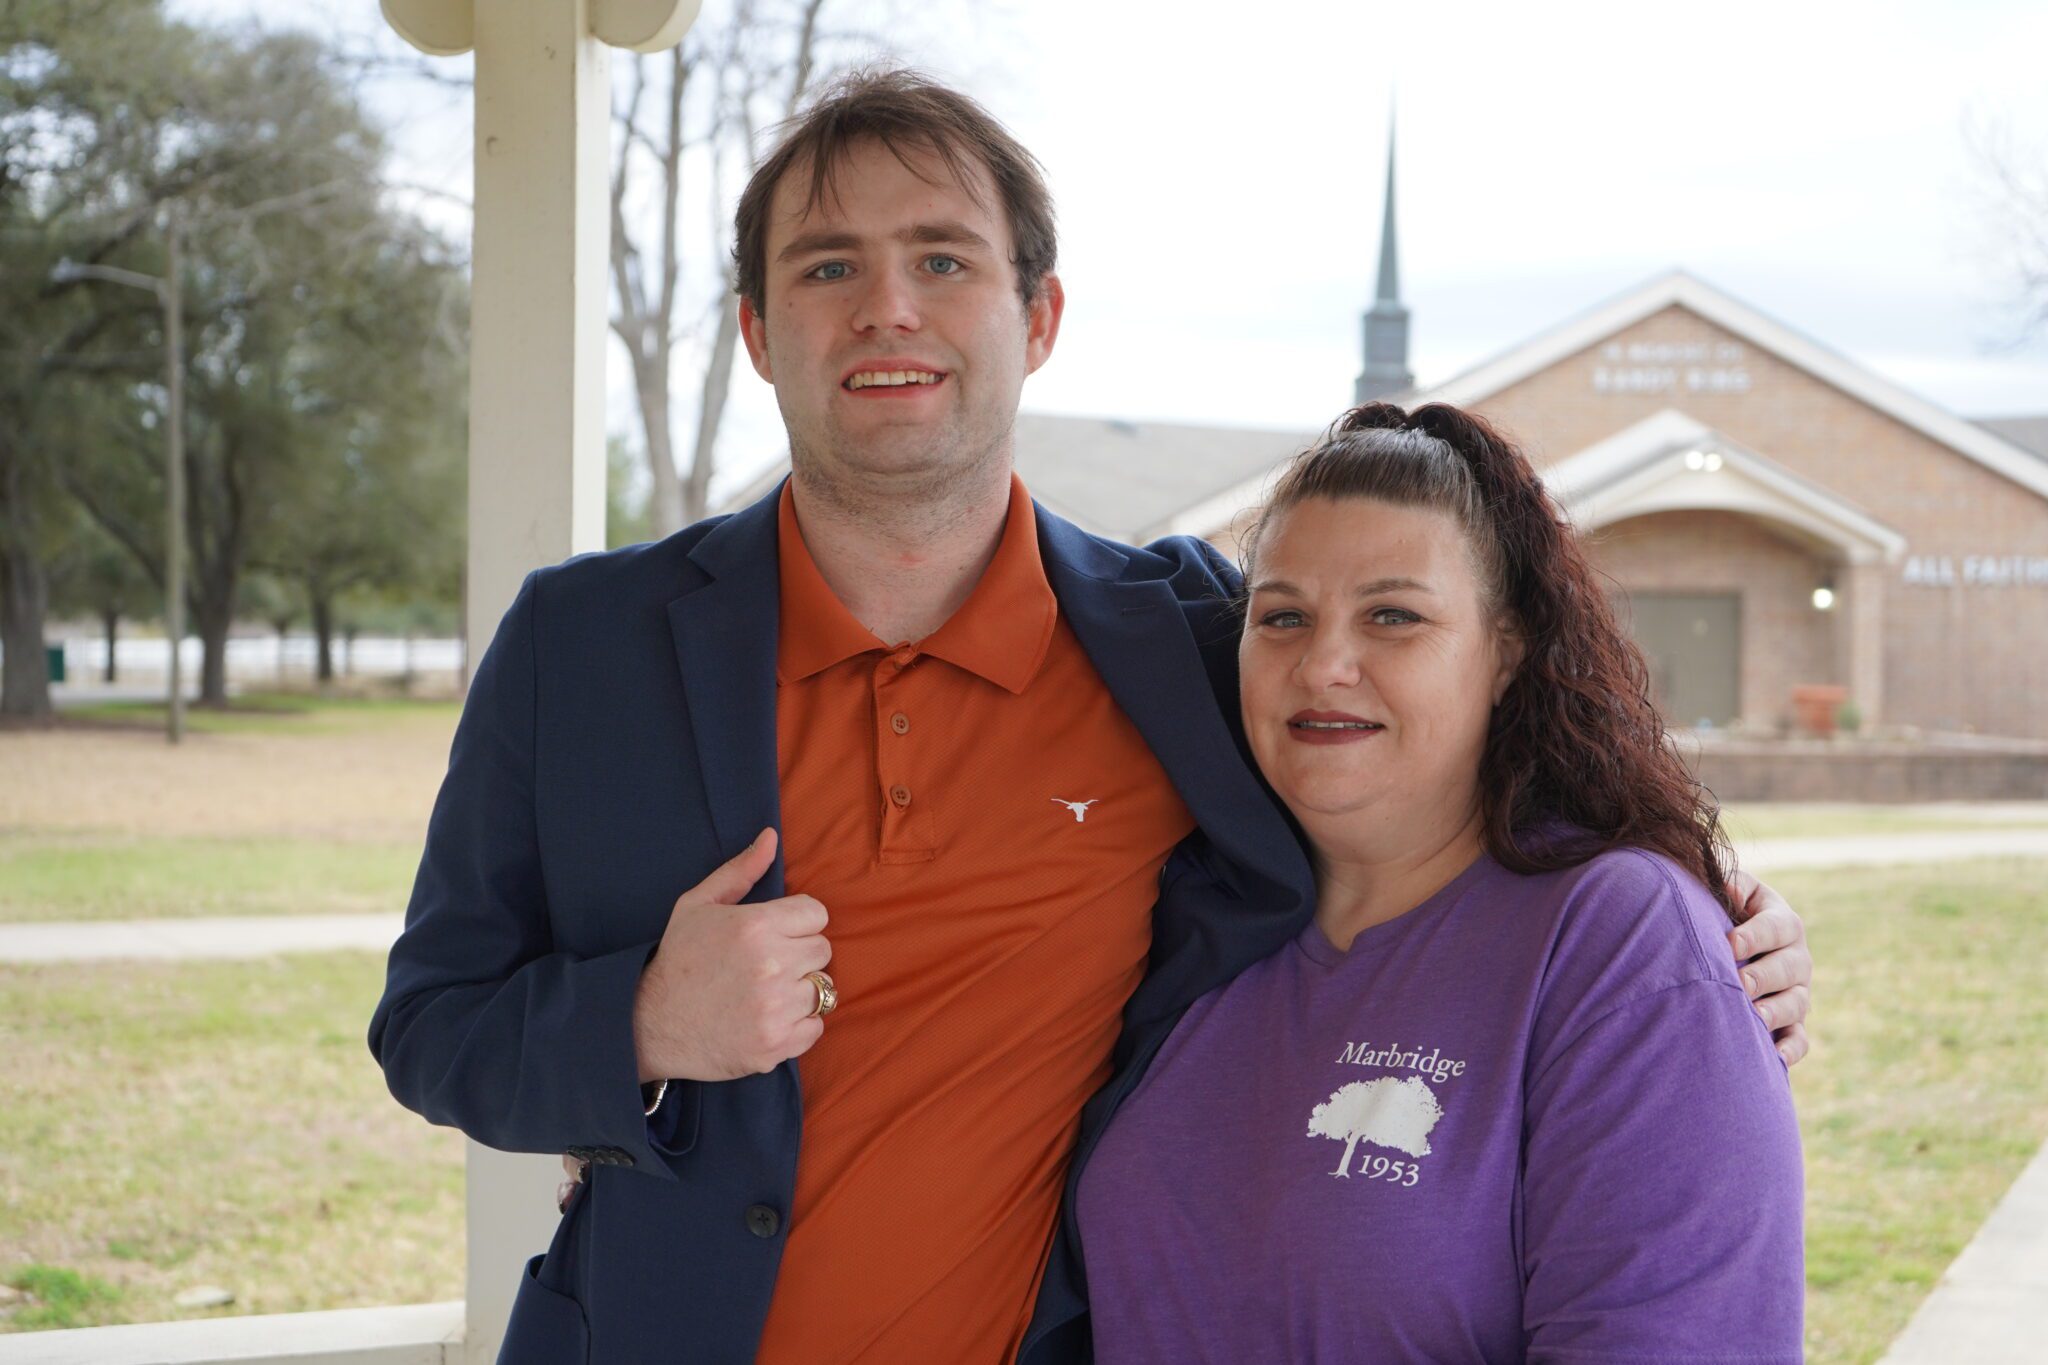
[1814, 706]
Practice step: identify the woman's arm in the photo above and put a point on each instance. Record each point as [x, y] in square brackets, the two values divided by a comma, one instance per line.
[1662, 1186]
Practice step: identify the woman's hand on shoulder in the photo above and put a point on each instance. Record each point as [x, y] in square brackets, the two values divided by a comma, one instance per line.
[1779, 972]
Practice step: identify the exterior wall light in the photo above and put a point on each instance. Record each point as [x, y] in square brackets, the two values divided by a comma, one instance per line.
[1824, 595]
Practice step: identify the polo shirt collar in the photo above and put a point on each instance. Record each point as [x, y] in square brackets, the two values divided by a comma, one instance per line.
[1001, 633]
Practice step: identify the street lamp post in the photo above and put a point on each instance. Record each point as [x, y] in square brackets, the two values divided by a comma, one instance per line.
[170, 294]
[174, 474]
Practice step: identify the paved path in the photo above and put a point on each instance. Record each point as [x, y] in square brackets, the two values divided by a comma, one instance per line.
[1871, 850]
[234, 936]
[1991, 1305]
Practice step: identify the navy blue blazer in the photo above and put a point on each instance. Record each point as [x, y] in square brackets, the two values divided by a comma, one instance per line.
[618, 744]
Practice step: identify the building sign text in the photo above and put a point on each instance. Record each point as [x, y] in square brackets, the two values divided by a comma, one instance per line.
[1987, 571]
[1670, 366]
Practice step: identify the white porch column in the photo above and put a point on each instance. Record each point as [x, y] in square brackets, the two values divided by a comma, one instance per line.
[540, 254]
[1861, 638]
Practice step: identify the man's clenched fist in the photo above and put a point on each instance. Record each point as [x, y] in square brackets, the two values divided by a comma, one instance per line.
[724, 995]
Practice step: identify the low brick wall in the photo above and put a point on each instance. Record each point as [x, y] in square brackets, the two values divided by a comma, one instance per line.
[1870, 770]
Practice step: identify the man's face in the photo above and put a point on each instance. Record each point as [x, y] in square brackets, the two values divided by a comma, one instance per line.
[893, 330]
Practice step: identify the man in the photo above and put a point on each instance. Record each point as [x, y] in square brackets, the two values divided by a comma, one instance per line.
[893, 721]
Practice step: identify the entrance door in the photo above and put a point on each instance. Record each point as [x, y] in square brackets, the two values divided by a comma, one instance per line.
[1693, 642]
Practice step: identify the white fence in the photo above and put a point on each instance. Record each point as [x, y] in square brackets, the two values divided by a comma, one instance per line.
[259, 659]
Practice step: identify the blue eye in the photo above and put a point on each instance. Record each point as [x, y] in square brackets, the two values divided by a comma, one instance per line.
[830, 270]
[951, 265]
[1281, 619]
[1380, 616]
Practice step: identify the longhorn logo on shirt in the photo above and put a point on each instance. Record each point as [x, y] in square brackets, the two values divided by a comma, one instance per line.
[1386, 1112]
[1080, 808]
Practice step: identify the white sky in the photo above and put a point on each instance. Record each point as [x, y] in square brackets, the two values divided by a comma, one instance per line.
[1219, 183]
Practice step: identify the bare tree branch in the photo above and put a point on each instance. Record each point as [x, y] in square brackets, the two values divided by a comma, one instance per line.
[2013, 196]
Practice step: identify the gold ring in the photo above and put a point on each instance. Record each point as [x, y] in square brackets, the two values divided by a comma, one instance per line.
[828, 994]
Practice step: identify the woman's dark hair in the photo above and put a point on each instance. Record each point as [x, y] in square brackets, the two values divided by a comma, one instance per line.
[1575, 738]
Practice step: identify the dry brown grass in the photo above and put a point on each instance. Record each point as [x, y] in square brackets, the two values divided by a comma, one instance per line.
[350, 774]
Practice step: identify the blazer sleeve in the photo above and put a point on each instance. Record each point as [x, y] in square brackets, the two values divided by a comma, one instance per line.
[484, 1025]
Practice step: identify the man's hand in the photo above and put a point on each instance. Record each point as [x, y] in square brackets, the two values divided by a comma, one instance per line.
[724, 995]
[1779, 972]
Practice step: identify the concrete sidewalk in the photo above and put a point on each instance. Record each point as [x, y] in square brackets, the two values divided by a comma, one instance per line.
[1990, 1306]
[1878, 850]
[230, 937]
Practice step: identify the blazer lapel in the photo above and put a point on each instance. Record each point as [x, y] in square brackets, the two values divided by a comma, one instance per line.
[1138, 638]
[725, 634]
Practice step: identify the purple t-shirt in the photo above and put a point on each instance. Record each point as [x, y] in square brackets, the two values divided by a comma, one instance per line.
[1535, 1118]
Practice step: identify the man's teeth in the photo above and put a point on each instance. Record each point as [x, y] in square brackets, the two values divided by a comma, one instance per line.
[872, 378]
[1337, 725]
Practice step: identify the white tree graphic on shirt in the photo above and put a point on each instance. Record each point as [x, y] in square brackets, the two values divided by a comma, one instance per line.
[1387, 1112]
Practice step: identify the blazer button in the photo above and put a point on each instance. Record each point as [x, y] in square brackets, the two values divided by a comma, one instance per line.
[763, 1221]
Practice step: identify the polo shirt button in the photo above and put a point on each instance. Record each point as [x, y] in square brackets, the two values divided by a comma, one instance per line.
[763, 1221]
[900, 723]
[900, 794]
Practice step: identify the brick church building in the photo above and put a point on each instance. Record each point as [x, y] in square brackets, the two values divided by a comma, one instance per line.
[1775, 516]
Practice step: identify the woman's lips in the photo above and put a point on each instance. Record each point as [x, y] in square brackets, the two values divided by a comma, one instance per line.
[1330, 727]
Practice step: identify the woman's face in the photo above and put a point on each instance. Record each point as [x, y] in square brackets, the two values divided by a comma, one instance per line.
[1369, 665]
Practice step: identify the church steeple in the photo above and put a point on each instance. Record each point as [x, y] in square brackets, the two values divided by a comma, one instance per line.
[1386, 324]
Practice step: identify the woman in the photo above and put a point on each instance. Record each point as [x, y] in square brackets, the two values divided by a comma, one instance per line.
[1504, 1098]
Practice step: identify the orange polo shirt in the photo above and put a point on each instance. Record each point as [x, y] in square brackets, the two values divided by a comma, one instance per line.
[986, 829]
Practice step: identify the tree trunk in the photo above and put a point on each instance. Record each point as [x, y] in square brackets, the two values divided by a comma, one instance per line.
[213, 615]
[213, 663]
[24, 598]
[110, 622]
[24, 595]
[710, 412]
[323, 632]
[650, 381]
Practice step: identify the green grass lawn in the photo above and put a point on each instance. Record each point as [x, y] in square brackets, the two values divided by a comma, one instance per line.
[169, 1126]
[1928, 1088]
[84, 876]
[176, 1125]
[272, 713]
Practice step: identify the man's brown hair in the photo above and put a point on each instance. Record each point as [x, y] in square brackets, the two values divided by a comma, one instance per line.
[909, 114]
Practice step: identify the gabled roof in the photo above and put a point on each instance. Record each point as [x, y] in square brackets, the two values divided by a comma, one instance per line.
[1131, 481]
[1670, 462]
[1986, 447]
[2028, 433]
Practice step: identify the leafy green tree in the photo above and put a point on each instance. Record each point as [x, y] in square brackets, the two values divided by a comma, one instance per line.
[628, 509]
[297, 403]
[91, 575]
[376, 499]
[82, 84]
